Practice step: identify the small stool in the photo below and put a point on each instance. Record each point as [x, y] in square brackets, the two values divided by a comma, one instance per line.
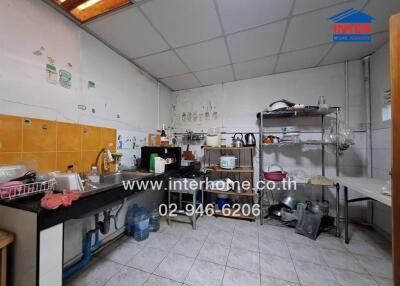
[181, 189]
[6, 239]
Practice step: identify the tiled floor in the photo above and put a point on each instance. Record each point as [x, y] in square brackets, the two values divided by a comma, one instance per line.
[232, 252]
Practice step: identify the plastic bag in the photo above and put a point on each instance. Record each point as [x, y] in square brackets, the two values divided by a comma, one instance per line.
[308, 223]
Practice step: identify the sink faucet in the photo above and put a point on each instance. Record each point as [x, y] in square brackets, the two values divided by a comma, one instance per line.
[106, 160]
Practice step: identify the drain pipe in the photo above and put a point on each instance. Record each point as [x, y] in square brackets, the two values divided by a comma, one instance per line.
[97, 241]
[87, 255]
[100, 226]
[366, 61]
[347, 92]
[367, 90]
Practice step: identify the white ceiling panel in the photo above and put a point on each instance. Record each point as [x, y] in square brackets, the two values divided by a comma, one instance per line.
[205, 55]
[180, 82]
[256, 68]
[352, 51]
[239, 15]
[129, 32]
[301, 59]
[381, 10]
[163, 65]
[184, 22]
[256, 43]
[302, 6]
[314, 28]
[214, 76]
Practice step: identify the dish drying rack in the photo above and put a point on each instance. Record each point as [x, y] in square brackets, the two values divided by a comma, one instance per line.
[26, 190]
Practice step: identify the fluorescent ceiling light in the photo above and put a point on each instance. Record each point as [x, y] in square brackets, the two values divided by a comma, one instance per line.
[85, 10]
[87, 4]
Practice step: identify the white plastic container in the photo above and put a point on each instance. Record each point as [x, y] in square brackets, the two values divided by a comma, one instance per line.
[159, 165]
[69, 182]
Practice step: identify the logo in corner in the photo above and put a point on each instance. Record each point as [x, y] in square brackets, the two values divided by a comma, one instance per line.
[351, 25]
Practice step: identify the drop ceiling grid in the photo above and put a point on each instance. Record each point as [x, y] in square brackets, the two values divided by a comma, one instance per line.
[292, 14]
[170, 47]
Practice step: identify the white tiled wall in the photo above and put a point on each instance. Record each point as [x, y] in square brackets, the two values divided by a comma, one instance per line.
[238, 102]
[381, 132]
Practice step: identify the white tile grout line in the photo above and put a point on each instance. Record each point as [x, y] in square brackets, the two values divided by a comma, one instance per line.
[289, 20]
[169, 45]
[227, 258]
[291, 258]
[225, 38]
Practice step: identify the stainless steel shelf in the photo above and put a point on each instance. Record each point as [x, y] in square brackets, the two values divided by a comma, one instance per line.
[297, 113]
[297, 143]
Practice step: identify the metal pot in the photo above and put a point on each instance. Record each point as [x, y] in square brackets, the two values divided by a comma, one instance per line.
[318, 207]
[290, 202]
[236, 141]
[227, 162]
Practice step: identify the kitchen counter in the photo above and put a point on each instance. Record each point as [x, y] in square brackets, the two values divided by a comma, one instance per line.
[39, 248]
[106, 195]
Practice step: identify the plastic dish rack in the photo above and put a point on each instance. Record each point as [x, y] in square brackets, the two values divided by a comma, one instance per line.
[26, 190]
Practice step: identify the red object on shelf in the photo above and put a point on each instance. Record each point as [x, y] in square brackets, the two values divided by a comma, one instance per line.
[275, 176]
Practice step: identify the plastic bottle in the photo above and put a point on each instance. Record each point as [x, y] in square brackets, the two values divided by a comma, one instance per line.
[131, 219]
[154, 222]
[141, 224]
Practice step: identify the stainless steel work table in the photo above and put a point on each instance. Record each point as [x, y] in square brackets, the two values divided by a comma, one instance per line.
[370, 189]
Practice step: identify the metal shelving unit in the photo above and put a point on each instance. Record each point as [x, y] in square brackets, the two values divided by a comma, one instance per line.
[265, 115]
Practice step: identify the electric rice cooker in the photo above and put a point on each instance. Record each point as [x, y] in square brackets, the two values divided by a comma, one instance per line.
[227, 162]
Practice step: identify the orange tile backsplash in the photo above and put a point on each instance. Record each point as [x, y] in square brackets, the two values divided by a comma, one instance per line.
[10, 133]
[69, 137]
[38, 135]
[52, 145]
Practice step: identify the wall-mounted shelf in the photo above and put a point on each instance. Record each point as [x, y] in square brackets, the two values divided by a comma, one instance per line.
[314, 112]
[236, 170]
[246, 193]
[232, 213]
[298, 143]
[228, 148]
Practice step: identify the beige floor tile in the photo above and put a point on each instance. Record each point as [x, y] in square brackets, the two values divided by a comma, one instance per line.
[205, 273]
[342, 260]
[315, 275]
[214, 252]
[175, 267]
[307, 253]
[236, 277]
[278, 267]
[274, 247]
[244, 259]
[349, 278]
[270, 281]
[128, 277]
[147, 259]
[160, 281]
[379, 267]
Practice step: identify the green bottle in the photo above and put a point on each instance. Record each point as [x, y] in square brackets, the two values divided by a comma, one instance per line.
[152, 160]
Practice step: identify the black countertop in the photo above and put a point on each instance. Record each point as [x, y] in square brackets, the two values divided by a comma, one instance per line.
[87, 204]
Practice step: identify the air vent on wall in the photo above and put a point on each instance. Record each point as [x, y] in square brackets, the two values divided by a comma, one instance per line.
[85, 10]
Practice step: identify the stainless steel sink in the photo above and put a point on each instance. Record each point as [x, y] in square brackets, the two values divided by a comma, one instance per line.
[110, 179]
[117, 178]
